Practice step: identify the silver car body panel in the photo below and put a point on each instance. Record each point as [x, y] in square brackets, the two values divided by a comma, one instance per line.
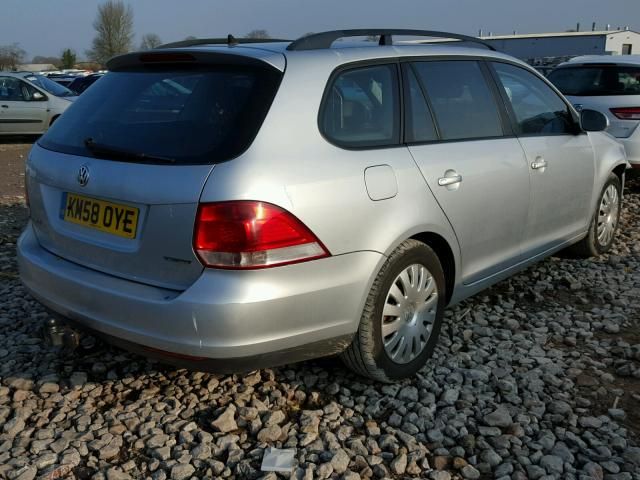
[224, 314]
[500, 219]
[166, 196]
[489, 243]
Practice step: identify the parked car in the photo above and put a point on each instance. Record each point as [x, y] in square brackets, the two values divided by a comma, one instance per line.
[610, 85]
[544, 70]
[62, 79]
[227, 207]
[30, 103]
[80, 84]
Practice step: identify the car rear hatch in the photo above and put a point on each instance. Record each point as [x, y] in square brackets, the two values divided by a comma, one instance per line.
[114, 185]
[611, 89]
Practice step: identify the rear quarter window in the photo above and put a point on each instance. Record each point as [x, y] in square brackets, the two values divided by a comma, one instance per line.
[361, 107]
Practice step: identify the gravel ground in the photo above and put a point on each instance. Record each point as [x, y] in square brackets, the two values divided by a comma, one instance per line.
[538, 377]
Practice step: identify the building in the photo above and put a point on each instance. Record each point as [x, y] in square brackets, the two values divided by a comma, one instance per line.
[538, 46]
[35, 67]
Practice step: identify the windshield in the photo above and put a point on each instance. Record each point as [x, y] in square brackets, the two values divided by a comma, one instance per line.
[50, 86]
[595, 80]
[192, 115]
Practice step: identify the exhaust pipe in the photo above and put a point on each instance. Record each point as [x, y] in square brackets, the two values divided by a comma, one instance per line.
[58, 334]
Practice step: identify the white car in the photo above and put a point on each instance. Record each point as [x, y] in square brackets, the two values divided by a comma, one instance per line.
[30, 103]
[608, 84]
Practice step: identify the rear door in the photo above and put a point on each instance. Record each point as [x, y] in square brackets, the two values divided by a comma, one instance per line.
[560, 156]
[21, 112]
[460, 140]
[115, 183]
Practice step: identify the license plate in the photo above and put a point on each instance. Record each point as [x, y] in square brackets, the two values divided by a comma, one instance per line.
[114, 218]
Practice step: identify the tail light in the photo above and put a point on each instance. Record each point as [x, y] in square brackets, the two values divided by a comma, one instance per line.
[627, 113]
[249, 234]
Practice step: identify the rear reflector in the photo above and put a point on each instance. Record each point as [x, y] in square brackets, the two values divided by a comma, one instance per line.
[627, 113]
[249, 234]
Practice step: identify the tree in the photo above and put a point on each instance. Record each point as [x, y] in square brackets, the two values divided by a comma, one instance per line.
[11, 56]
[68, 58]
[114, 31]
[149, 41]
[259, 34]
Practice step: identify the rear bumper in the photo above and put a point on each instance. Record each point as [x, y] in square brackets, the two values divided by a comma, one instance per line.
[267, 317]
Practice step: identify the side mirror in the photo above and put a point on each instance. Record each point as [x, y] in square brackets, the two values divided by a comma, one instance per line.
[593, 121]
[38, 97]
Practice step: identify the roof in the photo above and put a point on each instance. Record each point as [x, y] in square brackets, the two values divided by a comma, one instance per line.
[600, 59]
[277, 55]
[597, 33]
[22, 74]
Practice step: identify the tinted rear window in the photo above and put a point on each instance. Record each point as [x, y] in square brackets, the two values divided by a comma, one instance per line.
[597, 80]
[462, 101]
[192, 115]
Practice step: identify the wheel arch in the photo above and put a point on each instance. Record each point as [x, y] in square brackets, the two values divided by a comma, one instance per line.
[619, 170]
[54, 118]
[445, 254]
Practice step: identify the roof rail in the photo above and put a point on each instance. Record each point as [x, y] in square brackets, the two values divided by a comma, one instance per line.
[230, 40]
[323, 40]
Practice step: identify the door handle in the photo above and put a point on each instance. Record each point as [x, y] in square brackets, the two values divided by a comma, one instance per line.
[446, 181]
[539, 164]
[4, 106]
[451, 180]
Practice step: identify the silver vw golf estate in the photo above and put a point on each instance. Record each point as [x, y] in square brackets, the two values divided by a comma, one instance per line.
[229, 206]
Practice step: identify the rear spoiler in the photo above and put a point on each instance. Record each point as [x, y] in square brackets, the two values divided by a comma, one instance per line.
[184, 57]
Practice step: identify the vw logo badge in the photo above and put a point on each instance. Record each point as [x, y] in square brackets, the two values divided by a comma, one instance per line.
[83, 175]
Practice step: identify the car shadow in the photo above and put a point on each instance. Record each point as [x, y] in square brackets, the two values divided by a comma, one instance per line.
[632, 181]
[17, 139]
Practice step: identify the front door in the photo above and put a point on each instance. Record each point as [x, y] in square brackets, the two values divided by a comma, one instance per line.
[457, 135]
[560, 156]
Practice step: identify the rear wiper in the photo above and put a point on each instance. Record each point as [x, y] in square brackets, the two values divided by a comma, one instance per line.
[124, 155]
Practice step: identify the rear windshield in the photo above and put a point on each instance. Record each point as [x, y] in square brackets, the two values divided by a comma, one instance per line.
[204, 114]
[596, 80]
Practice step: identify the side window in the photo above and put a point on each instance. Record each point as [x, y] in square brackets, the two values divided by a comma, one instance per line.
[362, 107]
[11, 89]
[27, 91]
[463, 103]
[418, 120]
[537, 108]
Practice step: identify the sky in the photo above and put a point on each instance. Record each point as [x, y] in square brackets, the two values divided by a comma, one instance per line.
[46, 27]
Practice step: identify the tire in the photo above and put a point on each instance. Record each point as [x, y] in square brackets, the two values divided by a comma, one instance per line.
[367, 354]
[594, 244]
